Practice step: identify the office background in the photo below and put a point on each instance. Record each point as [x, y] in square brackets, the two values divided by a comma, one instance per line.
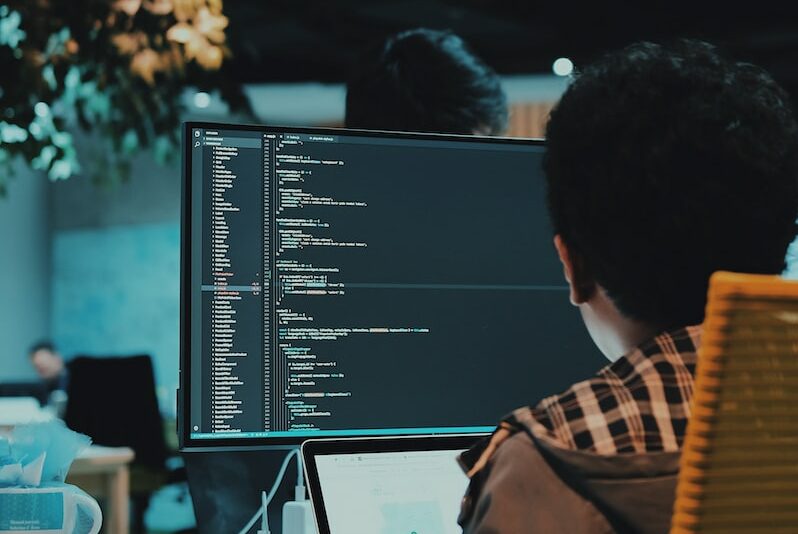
[95, 267]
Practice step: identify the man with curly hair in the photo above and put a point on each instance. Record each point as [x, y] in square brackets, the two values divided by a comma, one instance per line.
[663, 164]
[425, 80]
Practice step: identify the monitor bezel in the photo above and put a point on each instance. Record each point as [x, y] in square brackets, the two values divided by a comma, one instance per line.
[185, 441]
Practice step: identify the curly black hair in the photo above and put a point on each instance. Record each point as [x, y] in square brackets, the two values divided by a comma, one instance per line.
[425, 80]
[665, 164]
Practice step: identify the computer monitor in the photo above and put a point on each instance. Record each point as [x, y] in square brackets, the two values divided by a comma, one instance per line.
[356, 283]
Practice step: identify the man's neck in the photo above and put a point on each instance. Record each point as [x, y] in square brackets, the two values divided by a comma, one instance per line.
[614, 333]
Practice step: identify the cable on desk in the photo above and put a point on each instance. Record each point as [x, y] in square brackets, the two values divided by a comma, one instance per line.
[299, 493]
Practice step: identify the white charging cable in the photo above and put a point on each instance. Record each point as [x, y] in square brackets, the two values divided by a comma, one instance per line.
[299, 493]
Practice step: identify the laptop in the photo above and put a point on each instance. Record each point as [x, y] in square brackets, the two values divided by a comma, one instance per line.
[387, 485]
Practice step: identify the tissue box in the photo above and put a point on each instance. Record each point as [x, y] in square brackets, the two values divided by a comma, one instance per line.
[51, 509]
[33, 496]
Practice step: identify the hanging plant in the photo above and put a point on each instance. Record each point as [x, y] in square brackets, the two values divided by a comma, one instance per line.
[116, 68]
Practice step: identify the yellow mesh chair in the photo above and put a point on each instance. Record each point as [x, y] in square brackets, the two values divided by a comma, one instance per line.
[739, 465]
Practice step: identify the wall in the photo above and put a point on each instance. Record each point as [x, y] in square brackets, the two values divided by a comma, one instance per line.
[24, 272]
[116, 268]
[116, 291]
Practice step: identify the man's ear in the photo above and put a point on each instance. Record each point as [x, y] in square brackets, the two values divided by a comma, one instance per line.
[581, 285]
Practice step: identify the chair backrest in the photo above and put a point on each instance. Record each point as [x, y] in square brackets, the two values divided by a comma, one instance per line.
[113, 401]
[739, 465]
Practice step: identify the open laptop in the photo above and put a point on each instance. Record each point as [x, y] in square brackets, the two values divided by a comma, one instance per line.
[386, 485]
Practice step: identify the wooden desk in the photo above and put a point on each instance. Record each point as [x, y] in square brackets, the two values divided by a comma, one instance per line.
[103, 472]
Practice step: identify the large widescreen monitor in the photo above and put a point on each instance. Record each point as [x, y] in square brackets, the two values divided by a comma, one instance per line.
[352, 283]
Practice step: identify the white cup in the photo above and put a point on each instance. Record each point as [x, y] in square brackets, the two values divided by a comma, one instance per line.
[50, 509]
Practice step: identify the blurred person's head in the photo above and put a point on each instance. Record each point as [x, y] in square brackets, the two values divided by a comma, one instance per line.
[665, 164]
[46, 360]
[426, 81]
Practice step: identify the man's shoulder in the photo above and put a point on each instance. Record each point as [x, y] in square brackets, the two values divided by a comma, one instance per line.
[509, 430]
[506, 471]
[520, 485]
[664, 356]
[639, 403]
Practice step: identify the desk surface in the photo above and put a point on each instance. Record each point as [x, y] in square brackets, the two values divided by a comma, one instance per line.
[98, 458]
[103, 472]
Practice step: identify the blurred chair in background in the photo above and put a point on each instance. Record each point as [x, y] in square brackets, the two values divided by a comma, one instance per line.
[113, 400]
[739, 465]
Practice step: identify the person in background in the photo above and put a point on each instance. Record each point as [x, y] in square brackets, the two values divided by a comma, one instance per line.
[49, 365]
[663, 165]
[425, 80]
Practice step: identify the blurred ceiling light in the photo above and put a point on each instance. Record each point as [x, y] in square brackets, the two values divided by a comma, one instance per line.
[563, 67]
[202, 99]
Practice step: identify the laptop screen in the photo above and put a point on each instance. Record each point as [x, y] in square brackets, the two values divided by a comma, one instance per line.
[392, 492]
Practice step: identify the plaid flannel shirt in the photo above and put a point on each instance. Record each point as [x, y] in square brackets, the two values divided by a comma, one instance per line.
[639, 403]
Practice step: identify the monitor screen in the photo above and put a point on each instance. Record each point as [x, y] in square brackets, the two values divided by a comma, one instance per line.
[359, 283]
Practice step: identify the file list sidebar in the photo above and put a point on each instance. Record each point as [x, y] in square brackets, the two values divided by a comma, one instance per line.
[233, 292]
